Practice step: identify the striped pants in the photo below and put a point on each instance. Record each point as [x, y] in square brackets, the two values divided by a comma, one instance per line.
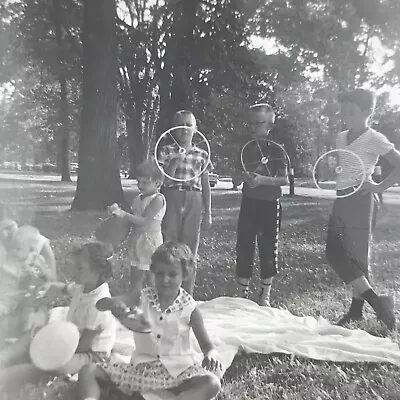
[258, 220]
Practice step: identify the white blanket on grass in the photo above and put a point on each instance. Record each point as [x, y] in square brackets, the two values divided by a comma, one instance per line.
[234, 324]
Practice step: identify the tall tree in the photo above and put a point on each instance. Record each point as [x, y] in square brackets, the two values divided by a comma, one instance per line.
[99, 182]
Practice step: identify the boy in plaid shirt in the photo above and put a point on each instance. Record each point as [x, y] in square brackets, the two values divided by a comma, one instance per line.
[187, 197]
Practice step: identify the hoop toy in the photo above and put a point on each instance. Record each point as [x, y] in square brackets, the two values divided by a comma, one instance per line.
[329, 168]
[200, 141]
[269, 151]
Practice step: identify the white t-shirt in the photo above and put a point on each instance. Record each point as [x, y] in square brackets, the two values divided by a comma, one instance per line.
[368, 146]
[84, 314]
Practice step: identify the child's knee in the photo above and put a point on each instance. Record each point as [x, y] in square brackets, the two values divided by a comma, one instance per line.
[87, 370]
[213, 385]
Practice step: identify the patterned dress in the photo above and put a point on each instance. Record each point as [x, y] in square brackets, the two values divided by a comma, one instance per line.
[164, 358]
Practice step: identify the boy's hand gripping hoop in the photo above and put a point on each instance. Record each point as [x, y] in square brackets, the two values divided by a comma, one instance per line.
[169, 138]
[264, 157]
[341, 170]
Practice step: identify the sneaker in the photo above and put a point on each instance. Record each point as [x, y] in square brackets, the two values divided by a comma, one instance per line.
[347, 318]
[243, 290]
[263, 301]
[385, 311]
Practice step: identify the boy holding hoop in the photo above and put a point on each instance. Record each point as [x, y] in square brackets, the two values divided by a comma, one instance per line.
[352, 217]
[186, 198]
[260, 211]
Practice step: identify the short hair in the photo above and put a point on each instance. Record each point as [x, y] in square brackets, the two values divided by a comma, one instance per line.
[149, 169]
[173, 252]
[363, 98]
[262, 107]
[182, 113]
[7, 222]
[100, 257]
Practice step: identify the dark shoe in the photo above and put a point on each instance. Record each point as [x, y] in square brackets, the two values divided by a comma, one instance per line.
[347, 318]
[385, 311]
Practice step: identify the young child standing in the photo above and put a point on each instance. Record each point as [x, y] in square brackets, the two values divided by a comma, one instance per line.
[186, 199]
[260, 211]
[97, 329]
[351, 220]
[148, 210]
[164, 358]
[26, 260]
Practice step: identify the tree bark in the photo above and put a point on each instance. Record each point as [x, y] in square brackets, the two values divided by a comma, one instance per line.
[63, 130]
[99, 182]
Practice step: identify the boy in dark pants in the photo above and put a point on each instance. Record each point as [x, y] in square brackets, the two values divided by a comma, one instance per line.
[352, 217]
[260, 211]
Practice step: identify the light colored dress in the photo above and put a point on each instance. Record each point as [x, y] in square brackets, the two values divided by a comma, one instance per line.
[164, 358]
[84, 314]
[145, 239]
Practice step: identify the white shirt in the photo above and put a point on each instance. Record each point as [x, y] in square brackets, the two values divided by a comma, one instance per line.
[368, 146]
[169, 340]
[84, 314]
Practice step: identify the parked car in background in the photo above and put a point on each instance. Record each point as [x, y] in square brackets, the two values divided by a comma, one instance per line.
[213, 178]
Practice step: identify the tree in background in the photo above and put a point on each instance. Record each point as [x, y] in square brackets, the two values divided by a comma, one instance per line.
[99, 181]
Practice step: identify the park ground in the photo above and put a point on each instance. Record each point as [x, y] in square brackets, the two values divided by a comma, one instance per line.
[304, 286]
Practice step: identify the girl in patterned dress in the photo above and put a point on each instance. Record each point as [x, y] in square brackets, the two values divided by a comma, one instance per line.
[148, 211]
[163, 358]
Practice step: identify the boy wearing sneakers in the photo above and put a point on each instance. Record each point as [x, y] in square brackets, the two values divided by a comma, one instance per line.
[352, 217]
[260, 212]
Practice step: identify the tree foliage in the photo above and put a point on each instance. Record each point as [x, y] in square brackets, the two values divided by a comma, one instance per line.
[196, 54]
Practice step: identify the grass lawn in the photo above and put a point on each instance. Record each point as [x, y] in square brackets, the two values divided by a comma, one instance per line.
[305, 286]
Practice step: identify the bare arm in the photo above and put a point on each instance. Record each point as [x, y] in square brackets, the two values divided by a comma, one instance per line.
[151, 211]
[119, 305]
[199, 330]
[271, 180]
[206, 194]
[210, 360]
[48, 255]
[394, 158]
[86, 340]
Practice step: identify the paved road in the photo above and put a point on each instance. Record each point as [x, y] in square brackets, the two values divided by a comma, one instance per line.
[391, 196]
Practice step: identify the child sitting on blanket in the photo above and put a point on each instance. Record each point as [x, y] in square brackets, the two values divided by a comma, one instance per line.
[97, 329]
[164, 358]
[26, 262]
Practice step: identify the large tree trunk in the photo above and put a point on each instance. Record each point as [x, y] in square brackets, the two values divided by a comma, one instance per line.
[63, 131]
[99, 182]
[136, 150]
[175, 93]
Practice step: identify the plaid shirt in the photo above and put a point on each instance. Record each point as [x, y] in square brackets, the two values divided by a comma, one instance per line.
[191, 165]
